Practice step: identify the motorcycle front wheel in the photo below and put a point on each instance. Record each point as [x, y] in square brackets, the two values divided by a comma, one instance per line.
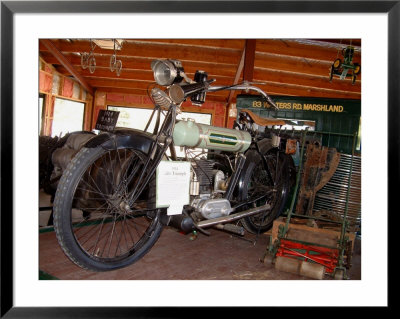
[96, 224]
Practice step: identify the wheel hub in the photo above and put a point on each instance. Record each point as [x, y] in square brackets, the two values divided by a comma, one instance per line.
[124, 207]
[119, 204]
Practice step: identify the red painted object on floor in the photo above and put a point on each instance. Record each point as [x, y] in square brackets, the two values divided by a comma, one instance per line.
[327, 257]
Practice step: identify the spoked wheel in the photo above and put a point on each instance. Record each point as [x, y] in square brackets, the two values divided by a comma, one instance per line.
[267, 180]
[97, 224]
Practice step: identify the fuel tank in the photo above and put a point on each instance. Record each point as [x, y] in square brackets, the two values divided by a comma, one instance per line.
[191, 134]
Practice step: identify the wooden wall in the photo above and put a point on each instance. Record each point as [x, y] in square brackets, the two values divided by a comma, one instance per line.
[54, 85]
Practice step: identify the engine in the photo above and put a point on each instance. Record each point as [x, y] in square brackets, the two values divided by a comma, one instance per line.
[207, 188]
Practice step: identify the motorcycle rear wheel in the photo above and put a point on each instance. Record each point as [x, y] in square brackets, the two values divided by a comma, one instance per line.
[273, 178]
[95, 226]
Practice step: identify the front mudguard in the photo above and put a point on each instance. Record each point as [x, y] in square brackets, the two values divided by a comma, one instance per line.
[131, 139]
[123, 138]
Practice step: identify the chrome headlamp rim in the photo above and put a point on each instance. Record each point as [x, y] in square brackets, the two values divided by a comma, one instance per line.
[159, 67]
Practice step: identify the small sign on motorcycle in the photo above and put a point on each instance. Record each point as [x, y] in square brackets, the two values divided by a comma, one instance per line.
[106, 120]
[173, 179]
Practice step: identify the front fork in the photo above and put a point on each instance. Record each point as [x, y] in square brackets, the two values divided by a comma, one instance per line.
[155, 155]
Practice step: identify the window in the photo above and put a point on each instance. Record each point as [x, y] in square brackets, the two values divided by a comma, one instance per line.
[202, 118]
[133, 117]
[68, 117]
[137, 118]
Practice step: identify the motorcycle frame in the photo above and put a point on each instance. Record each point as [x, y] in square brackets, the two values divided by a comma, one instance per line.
[156, 144]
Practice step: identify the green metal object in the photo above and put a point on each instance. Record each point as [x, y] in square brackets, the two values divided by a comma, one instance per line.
[340, 271]
[343, 238]
[297, 183]
[191, 134]
[341, 68]
[282, 230]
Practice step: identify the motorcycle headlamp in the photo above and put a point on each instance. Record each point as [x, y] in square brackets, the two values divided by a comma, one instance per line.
[167, 72]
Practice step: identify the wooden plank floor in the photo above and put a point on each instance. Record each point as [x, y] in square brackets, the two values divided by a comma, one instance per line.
[175, 257]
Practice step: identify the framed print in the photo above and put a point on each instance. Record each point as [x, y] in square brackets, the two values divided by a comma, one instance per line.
[23, 23]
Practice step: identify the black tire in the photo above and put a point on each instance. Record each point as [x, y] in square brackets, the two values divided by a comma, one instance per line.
[353, 79]
[262, 179]
[336, 64]
[94, 225]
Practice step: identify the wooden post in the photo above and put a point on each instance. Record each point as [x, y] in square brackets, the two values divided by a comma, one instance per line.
[246, 64]
[48, 114]
[89, 107]
[248, 67]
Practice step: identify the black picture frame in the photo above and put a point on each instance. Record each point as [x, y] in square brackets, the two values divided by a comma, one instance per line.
[9, 8]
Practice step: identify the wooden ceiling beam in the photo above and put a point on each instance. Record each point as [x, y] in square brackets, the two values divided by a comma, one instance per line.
[299, 90]
[65, 63]
[125, 84]
[356, 43]
[105, 73]
[136, 69]
[294, 48]
[294, 64]
[322, 82]
[143, 64]
[157, 51]
[122, 90]
[211, 97]
[288, 84]
[272, 88]
[198, 43]
[133, 75]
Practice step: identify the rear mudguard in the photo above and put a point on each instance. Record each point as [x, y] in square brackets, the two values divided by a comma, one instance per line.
[252, 155]
[265, 145]
[123, 138]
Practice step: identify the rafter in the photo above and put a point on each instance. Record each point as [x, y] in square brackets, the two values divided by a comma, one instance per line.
[65, 63]
[295, 67]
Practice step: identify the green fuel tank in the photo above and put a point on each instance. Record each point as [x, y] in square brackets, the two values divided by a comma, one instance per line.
[191, 134]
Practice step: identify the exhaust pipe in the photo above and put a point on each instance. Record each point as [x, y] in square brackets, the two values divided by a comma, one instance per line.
[233, 217]
[186, 223]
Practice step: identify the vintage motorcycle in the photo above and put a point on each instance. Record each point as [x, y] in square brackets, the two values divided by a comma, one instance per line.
[105, 209]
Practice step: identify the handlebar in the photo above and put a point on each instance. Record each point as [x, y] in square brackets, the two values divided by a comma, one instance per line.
[244, 87]
[178, 93]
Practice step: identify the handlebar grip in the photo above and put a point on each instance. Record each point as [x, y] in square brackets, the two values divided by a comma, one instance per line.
[178, 93]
